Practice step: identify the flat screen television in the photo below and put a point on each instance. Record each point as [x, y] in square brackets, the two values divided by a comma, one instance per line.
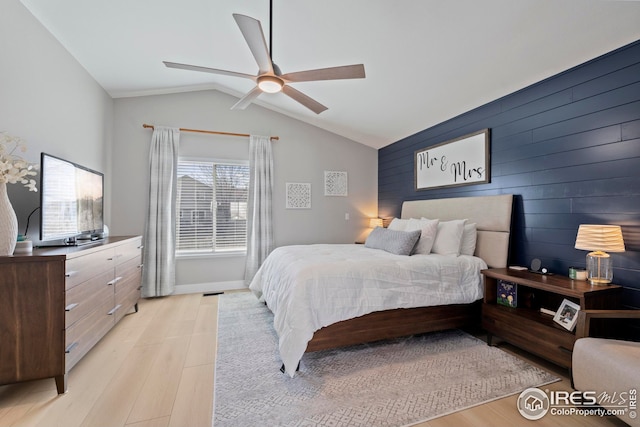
[71, 201]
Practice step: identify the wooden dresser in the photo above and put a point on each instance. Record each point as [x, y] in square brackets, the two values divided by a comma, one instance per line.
[57, 303]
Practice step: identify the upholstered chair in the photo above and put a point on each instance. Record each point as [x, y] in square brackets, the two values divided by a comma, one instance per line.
[607, 365]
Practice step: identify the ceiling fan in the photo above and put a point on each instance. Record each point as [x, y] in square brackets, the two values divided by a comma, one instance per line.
[269, 78]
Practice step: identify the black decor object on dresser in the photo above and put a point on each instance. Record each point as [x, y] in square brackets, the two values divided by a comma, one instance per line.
[525, 325]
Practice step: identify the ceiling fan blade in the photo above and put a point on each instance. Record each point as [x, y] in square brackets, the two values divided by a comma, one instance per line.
[303, 99]
[247, 99]
[207, 70]
[333, 73]
[252, 32]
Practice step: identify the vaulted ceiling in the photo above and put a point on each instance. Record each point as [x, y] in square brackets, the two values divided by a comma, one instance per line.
[426, 61]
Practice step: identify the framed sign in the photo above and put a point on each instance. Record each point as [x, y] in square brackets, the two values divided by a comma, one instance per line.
[461, 161]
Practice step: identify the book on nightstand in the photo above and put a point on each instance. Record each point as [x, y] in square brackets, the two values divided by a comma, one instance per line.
[507, 293]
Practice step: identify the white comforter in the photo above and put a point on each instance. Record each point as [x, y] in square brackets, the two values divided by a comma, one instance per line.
[312, 286]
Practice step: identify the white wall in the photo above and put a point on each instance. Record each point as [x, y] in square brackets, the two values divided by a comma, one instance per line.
[302, 154]
[47, 98]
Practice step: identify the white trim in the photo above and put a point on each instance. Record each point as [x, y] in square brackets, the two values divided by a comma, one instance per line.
[200, 288]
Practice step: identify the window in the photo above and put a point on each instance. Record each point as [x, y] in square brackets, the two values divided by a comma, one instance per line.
[211, 207]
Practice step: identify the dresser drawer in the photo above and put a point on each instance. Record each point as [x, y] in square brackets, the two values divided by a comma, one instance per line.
[128, 284]
[86, 332]
[544, 339]
[130, 267]
[81, 300]
[128, 292]
[82, 268]
[126, 301]
[126, 251]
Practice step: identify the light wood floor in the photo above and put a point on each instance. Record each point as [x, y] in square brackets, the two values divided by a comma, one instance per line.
[156, 368]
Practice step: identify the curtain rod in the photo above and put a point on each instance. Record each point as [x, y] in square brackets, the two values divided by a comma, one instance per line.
[146, 126]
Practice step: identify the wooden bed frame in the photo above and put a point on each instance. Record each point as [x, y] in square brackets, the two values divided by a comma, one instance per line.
[492, 214]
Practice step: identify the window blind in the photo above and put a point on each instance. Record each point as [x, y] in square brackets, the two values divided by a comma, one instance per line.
[211, 207]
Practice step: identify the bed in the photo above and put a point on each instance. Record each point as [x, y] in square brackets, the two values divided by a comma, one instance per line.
[329, 296]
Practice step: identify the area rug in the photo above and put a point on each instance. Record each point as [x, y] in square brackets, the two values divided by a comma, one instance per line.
[391, 383]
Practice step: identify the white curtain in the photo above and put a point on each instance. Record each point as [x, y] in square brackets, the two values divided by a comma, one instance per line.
[158, 274]
[259, 227]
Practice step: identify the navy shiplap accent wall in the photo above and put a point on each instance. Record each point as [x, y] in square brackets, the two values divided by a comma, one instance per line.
[567, 147]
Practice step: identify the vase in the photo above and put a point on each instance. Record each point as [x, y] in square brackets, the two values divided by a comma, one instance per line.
[8, 223]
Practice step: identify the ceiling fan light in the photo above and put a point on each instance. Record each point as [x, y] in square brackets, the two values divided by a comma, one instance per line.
[270, 84]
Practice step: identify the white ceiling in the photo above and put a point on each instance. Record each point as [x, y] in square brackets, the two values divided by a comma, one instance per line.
[426, 61]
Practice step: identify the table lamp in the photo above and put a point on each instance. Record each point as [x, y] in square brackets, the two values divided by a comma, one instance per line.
[599, 239]
[375, 222]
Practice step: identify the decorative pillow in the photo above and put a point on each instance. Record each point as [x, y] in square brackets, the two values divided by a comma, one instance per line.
[449, 237]
[429, 229]
[469, 237]
[393, 241]
[398, 224]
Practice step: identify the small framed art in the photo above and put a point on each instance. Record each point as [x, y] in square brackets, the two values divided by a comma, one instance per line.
[298, 195]
[567, 315]
[336, 183]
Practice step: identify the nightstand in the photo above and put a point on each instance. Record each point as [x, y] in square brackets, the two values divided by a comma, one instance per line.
[525, 326]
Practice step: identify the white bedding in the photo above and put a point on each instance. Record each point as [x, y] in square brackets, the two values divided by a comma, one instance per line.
[308, 287]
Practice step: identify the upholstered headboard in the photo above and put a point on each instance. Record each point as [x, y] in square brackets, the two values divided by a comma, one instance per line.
[492, 214]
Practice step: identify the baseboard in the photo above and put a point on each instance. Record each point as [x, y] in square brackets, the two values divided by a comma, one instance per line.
[203, 288]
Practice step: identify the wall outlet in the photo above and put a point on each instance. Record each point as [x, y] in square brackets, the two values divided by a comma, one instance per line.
[346, 217]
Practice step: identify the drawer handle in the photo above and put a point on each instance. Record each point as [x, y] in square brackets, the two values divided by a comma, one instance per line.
[71, 306]
[140, 265]
[71, 347]
[70, 273]
[566, 350]
[114, 281]
[141, 247]
[114, 309]
[115, 257]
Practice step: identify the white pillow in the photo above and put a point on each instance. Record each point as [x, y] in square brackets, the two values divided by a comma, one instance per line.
[429, 229]
[469, 237]
[398, 224]
[449, 237]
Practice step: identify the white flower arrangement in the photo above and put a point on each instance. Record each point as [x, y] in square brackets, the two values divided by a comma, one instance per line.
[13, 168]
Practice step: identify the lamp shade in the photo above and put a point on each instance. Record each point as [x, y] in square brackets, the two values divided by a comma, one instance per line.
[606, 238]
[375, 222]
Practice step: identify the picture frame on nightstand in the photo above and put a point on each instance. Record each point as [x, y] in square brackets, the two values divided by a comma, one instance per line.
[567, 315]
